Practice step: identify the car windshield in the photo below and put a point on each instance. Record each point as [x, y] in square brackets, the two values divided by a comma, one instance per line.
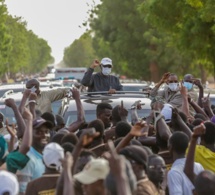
[133, 88]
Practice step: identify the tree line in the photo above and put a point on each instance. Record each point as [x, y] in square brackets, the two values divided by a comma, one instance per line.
[148, 38]
[20, 49]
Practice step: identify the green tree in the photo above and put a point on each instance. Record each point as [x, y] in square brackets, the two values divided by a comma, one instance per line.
[190, 26]
[138, 49]
[80, 53]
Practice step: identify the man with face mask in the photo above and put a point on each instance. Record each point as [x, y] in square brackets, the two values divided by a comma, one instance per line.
[188, 82]
[101, 81]
[171, 93]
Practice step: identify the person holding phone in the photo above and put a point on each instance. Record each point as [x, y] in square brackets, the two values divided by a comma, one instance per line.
[103, 80]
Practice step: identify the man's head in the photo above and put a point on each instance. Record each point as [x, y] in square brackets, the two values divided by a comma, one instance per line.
[48, 116]
[106, 66]
[156, 168]
[99, 127]
[93, 175]
[178, 143]
[34, 85]
[205, 183]
[172, 82]
[209, 137]
[9, 184]
[188, 81]
[137, 156]
[41, 134]
[104, 113]
[52, 154]
[122, 129]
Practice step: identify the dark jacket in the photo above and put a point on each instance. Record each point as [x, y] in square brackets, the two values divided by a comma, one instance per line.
[100, 82]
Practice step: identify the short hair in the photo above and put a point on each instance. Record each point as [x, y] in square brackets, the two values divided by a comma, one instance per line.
[101, 107]
[179, 141]
[99, 127]
[201, 116]
[197, 122]
[71, 138]
[48, 116]
[36, 81]
[68, 147]
[59, 119]
[115, 114]
[209, 136]
[152, 156]
[57, 138]
[122, 129]
[205, 183]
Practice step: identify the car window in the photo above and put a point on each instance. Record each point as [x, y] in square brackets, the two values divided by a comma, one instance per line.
[90, 115]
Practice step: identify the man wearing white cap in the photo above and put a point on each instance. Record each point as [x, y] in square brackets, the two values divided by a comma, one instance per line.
[101, 81]
[46, 184]
[9, 184]
[93, 175]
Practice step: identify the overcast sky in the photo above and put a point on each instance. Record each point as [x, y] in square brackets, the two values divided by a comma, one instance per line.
[56, 21]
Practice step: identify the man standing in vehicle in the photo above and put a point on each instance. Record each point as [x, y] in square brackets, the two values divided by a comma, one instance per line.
[101, 81]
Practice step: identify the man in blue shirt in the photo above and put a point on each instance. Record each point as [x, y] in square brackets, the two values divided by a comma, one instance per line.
[35, 167]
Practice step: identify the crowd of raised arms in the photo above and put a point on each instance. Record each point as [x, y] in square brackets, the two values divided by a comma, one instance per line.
[171, 151]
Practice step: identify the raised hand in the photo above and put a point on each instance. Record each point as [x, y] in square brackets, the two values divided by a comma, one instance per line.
[197, 82]
[123, 112]
[67, 162]
[88, 136]
[198, 131]
[10, 102]
[95, 64]
[75, 93]
[206, 101]
[136, 130]
[165, 77]
[27, 114]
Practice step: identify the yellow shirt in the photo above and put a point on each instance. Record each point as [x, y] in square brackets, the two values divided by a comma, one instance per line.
[205, 157]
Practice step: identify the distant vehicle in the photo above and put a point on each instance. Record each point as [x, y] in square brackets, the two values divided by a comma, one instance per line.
[91, 100]
[76, 73]
[11, 88]
[135, 86]
[8, 112]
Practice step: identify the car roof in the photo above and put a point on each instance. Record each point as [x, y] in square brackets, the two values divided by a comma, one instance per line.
[91, 102]
[134, 84]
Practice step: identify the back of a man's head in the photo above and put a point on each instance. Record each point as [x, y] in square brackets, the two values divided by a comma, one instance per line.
[101, 108]
[209, 136]
[115, 114]
[178, 142]
[122, 129]
[205, 183]
[99, 127]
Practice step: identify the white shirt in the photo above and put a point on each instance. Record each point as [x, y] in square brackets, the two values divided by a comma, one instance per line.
[178, 182]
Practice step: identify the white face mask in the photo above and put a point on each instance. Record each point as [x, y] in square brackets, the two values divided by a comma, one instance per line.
[173, 86]
[33, 89]
[106, 71]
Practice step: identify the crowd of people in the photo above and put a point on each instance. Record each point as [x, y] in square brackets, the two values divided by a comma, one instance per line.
[172, 151]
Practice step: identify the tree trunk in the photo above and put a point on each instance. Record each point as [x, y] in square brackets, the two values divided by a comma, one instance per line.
[154, 72]
[203, 74]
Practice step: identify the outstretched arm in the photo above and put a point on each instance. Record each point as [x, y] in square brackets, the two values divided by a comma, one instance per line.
[189, 164]
[20, 121]
[27, 137]
[80, 112]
